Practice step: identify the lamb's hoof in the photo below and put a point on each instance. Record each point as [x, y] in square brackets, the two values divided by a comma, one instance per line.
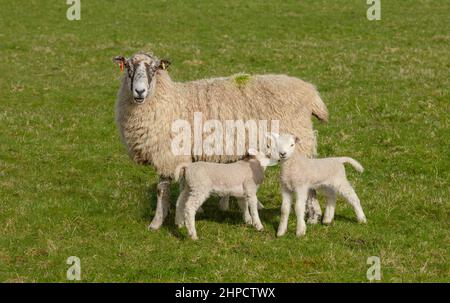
[281, 233]
[180, 225]
[248, 221]
[154, 225]
[362, 220]
[260, 205]
[200, 210]
[194, 238]
[259, 227]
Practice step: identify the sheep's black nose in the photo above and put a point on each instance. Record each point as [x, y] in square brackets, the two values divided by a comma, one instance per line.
[139, 91]
[282, 155]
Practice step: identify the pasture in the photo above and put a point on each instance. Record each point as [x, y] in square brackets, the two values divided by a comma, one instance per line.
[68, 188]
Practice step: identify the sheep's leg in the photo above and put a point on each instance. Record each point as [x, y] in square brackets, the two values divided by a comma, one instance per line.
[162, 203]
[285, 210]
[300, 204]
[346, 190]
[194, 201]
[252, 202]
[313, 207]
[224, 203]
[331, 205]
[181, 204]
[244, 208]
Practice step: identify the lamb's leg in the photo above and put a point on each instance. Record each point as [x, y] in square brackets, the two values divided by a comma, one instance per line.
[313, 207]
[181, 204]
[252, 202]
[244, 208]
[260, 205]
[331, 205]
[194, 201]
[224, 203]
[300, 204]
[285, 210]
[346, 190]
[162, 203]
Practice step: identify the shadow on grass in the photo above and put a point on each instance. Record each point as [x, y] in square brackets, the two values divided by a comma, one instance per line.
[212, 213]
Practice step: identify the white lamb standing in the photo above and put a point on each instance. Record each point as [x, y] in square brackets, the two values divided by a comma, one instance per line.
[240, 179]
[300, 174]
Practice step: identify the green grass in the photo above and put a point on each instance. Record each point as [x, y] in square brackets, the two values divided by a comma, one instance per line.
[67, 187]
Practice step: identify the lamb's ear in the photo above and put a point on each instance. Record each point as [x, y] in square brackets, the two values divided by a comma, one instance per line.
[164, 64]
[297, 140]
[252, 152]
[273, 136]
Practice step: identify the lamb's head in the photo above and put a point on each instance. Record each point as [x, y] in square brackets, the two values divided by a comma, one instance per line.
[282, 147]
[263, 159]
[141, 71]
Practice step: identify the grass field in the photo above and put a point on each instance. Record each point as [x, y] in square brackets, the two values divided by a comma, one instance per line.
[67, 187]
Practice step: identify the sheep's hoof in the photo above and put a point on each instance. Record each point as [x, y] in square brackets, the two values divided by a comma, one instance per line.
[194, 238]
[313, 221]
[260, 205]
[327, 222]
[200, 210]
[301, 232]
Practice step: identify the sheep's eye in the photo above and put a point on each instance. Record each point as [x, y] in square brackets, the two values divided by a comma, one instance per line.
[268, 146]
[292, 145]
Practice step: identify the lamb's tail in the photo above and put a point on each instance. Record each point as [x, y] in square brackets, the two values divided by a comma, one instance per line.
[353, 163]
[319, 109]
[179, 170]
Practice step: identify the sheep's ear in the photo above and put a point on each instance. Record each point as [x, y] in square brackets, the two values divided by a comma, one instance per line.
[297, 140]
[252, 152]
[164, 64]
[119, 60]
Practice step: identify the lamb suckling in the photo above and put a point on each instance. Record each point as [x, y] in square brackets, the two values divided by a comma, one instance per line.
[240, 179]
[300, 174]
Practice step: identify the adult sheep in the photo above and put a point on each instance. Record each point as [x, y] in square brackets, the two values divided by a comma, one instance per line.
[149, 102]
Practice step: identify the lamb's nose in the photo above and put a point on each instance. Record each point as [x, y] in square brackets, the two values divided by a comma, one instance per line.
[139, 91]
[282, 155]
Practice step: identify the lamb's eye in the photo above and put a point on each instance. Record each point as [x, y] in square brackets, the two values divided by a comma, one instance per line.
[292, 145]
[268, 146]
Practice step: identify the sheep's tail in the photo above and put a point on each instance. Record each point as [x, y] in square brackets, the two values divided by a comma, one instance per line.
[353, 163]
[179, 171]
[319, 109]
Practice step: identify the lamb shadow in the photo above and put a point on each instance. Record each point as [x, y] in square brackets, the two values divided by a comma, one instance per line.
[344, 218]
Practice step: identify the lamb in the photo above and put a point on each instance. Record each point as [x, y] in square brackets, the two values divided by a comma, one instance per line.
[240, 179]
[149, 101]
[299, 174]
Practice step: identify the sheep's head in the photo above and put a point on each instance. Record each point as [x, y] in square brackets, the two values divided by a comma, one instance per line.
[282, 146]
[141, 69]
